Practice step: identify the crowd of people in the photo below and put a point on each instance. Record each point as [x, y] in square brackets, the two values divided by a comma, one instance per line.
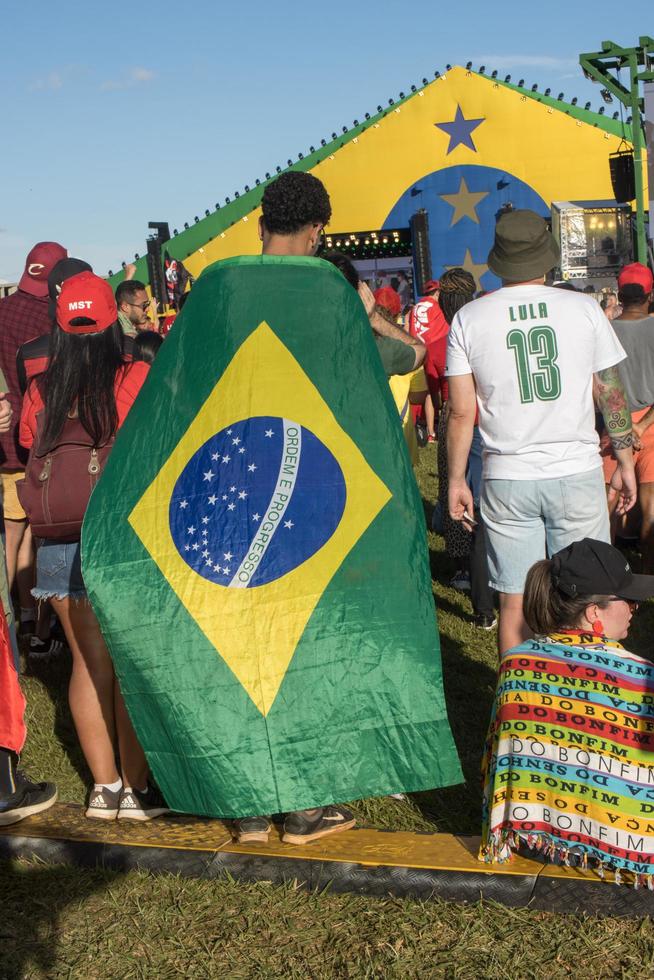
[541, 403]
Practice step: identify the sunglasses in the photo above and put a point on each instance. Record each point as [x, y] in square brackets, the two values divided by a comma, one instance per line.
[141, 306]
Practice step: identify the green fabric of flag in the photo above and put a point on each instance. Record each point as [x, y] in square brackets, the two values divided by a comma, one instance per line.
[256, 554]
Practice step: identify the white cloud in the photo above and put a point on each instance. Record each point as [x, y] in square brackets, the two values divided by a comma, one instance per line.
[50, 83]
[508, 61]
[134, 76]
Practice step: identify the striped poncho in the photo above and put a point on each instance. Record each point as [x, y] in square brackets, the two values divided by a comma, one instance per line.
[569, 762]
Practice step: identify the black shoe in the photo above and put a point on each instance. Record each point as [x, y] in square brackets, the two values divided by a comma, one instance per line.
[135, 805]
[485, 621]
[27, 799]
[251, 830]
[299, 828]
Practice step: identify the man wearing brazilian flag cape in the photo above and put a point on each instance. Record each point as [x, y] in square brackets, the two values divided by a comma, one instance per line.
[256, 551]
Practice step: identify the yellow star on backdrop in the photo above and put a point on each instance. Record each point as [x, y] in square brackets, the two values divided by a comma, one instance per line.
[464, 203]
[476, 270]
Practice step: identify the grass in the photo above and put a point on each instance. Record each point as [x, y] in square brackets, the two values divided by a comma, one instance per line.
[74, 923]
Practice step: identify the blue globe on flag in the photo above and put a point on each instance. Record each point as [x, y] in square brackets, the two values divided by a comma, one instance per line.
[256, 501]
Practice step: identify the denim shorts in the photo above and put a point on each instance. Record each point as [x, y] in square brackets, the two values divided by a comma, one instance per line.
[58, 571]
[527, 520]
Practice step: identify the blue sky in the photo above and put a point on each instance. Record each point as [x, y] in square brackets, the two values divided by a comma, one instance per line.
[113, 116]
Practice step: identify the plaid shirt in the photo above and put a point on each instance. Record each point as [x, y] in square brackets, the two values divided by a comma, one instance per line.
[22, 317]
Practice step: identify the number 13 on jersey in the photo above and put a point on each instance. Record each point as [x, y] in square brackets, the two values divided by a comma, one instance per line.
[539, 347]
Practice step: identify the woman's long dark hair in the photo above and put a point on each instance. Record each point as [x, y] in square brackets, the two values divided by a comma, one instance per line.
[80, 378]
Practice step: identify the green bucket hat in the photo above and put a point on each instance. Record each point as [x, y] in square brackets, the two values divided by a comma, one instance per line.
[524, 249]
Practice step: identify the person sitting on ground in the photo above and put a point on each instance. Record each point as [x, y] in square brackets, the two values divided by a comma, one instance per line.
[88, 379]
[634, 328]
[147, 345]
[570, 747]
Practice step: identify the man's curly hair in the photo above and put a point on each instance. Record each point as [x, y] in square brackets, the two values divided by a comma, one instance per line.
[294, 201]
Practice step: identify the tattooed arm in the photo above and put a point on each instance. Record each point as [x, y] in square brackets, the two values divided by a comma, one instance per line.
[612, 403]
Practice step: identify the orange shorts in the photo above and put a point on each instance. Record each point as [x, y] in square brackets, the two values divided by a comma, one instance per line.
[643, 457]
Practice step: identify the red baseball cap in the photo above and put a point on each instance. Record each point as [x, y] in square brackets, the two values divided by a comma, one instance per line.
[636, 274]
[387, 297]
[431, 286]
[38, 266]
[86, 296]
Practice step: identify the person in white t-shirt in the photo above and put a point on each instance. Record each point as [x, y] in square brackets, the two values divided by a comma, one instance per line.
[528, 357]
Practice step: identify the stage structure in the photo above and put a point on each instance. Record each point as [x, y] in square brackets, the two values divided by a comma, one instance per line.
[596, 240]
[458, 150]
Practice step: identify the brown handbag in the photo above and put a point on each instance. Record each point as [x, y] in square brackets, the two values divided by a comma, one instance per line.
[58, 483]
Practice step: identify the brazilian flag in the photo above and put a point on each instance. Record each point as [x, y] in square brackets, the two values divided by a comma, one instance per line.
[256, 554]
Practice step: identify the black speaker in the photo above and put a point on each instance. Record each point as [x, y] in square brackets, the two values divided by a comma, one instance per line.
[623, 179]
[421, 251]
[155, 273]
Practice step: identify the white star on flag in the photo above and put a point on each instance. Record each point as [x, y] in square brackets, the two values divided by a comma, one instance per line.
[196, 546]
[231, 506]
[227, 556]
[208, 475]
[289, 524]
[269, 433]
[215, 457]
[235, 441]
[252, 467]
[224, 496]
[256, 517]
[212, 499]
[183, 504]
[205, 520]
[232, 489]
[226, 459]
[191, 530]
[242, 449]
[242, 495]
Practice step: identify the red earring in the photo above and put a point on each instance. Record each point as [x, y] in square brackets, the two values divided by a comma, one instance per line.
[598, 627]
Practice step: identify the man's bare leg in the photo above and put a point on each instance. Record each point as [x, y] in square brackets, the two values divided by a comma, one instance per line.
[14, 534]
[25, 574]
[513, 629]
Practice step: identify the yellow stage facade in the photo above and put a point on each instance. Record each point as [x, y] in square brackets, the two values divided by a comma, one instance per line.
[461, 148]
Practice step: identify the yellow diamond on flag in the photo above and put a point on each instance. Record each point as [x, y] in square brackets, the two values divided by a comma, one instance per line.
[254, 598]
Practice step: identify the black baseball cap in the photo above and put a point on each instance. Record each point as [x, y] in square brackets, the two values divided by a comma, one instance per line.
[63, 270]
[589, 567]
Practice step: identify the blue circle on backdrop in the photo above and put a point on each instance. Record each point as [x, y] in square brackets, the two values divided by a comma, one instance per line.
[255, 501]
[449, 242]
